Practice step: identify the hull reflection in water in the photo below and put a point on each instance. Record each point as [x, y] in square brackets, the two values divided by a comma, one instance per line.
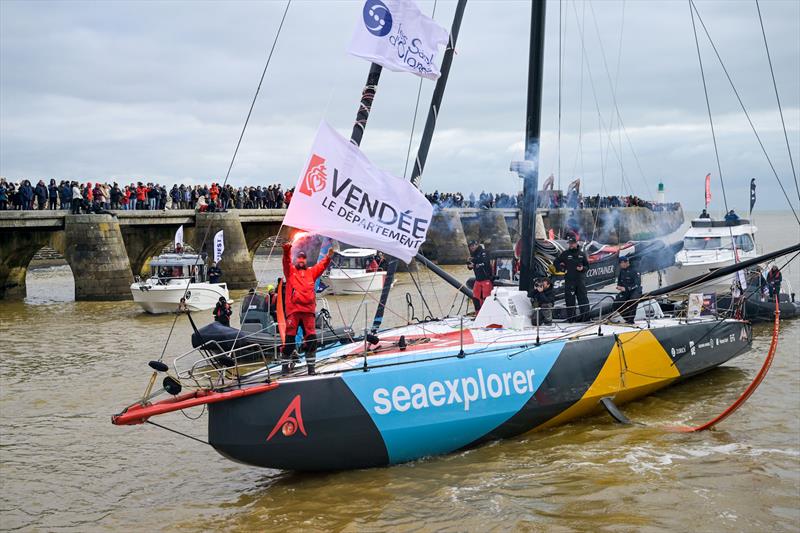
[426, 400]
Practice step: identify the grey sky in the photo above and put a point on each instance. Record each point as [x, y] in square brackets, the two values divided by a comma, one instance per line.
[159, 90]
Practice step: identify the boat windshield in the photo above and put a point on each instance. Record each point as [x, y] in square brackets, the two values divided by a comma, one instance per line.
[167, 272]
[356, 263]
[743, 243]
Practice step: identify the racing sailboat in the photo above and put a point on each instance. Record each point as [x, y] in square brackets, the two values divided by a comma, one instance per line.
[435, 387]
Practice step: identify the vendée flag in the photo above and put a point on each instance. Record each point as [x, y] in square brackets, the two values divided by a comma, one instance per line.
[342, 195]
[396, 35]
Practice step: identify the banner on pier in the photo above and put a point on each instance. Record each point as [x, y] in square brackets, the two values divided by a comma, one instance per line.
[219, 246]
[397, 35]
[342, 195]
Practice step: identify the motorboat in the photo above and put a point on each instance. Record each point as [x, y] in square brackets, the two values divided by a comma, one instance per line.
[174, 276]
[354, 271]
[712, 244]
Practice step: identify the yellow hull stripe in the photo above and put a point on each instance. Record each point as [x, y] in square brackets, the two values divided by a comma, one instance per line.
[641, 367]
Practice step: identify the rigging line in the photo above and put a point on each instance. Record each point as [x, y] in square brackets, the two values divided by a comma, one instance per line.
[579, 151]
[744, 109]
[708, 107]
[596, 100]
[560, 68]
[236, 150]
[616, 105]
[201, 441]
[778, 98]
[416, 111]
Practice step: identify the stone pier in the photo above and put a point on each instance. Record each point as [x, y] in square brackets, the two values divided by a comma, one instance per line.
[236, 263]
[96, 254]
[446, 242]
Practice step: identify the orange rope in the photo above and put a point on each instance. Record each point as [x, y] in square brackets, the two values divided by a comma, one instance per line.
[750, 389]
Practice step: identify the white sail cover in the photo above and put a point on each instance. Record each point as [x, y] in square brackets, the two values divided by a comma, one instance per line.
[342, 195]
[219, 246]
[396, 35]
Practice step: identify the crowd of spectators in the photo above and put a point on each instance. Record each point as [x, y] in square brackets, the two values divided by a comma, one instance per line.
[94, 197]
[484, 200]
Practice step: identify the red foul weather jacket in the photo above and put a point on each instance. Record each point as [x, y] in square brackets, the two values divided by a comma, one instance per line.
[300, 295]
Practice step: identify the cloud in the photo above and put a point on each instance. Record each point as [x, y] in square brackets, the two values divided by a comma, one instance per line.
[161, 89]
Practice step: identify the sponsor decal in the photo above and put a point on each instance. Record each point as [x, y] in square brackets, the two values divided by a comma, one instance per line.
[410, 51]
[692, 349]
[600, 271]
[463, 391]
[290, 421]
[743, 335]
[315, 177]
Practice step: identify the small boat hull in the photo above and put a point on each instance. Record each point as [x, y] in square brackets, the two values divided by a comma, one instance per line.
[684, 271]
[402, 412]
[354, 281]
[158, 299]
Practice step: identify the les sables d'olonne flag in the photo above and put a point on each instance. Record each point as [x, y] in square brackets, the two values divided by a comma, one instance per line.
[343, 196]
[397, 35]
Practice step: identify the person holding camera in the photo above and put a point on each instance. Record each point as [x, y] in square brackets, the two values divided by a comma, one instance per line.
[479, 263]
[629, 285]
[544, 299]
[573, 263]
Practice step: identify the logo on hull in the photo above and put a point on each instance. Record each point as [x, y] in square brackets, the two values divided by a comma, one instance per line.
[290, 421]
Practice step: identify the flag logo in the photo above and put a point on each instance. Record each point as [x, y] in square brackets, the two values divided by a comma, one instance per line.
[315, 178]
[377, 18]
[290, 421]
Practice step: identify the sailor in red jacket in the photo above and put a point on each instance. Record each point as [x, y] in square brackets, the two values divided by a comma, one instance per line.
[301, 303]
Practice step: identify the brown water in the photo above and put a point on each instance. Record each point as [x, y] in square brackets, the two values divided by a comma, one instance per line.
[67, 366]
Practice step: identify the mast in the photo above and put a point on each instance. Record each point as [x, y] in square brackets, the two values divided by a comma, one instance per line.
[533, 125]
[365, 106]
[422, 154]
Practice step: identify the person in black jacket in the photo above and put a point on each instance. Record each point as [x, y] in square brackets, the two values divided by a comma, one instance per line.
[223, 312]
[214, 273]
[479, 263]
[774, 279]
[52, 191]
[544, 299]
[573, 263]
[629, 285]
[41, 194]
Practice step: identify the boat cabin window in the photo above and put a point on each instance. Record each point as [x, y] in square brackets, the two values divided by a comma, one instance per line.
[356, 263]
[197, 273]
[743, 242]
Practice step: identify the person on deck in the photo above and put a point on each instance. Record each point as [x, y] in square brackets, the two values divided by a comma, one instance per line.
[252, 302]
[704, 214]
[301, 304]
[544, 299]
[573, 263]
[214, 273]
[731, 216]
[223, 312]
[372, 266]
[774, 278]
[629, 285]
[479, 263]
[271, 302]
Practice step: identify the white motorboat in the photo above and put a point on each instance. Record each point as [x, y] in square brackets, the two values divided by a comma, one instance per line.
[172, 276]
[711, 244]
[354, 271]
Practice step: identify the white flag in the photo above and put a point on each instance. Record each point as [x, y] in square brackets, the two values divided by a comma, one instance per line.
[219, 246]
[345, 197]
[396, 35]
[179, 237]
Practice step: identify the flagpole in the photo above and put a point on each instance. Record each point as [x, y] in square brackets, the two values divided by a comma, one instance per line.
[362, 115]
[422, 156]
